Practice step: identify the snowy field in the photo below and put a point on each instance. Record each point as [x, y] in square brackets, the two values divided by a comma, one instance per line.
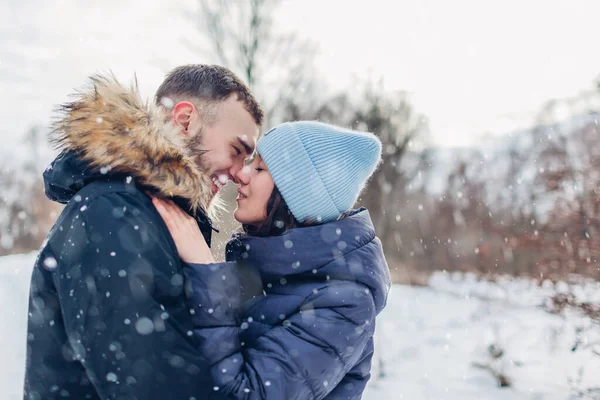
[433, 342]
[14, 290]
[437, 343]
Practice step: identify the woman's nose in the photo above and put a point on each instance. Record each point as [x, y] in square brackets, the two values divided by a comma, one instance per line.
[243, 175]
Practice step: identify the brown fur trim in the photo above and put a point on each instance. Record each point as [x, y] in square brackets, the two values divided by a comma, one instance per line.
[111, 127]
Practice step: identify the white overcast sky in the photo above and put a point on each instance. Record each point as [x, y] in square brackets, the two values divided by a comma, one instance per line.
[473, 66]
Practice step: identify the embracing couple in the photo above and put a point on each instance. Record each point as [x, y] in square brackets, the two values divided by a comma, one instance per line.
[127, 301]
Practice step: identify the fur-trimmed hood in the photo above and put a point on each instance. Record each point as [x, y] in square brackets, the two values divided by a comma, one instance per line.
[113, 131]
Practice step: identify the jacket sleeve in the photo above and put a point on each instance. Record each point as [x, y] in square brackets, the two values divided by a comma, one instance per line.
[352, 386]
[123, 304]
[303, 358]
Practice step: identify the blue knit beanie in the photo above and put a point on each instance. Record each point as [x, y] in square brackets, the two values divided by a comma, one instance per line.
[319, 169]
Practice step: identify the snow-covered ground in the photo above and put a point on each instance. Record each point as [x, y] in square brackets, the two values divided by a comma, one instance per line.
[432, 342]
[14, 291]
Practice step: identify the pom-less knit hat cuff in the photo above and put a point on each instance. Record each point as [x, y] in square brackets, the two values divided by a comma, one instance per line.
[295, 175]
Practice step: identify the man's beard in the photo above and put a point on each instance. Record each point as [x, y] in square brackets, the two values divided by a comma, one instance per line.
[194, 147]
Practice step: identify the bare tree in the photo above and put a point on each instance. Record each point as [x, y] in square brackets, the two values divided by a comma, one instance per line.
[243, 36]
[394, 119]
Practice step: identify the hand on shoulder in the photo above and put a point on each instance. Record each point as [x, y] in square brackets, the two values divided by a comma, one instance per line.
[188, 238]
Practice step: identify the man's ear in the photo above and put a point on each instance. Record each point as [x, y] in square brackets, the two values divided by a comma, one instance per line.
[182, 115]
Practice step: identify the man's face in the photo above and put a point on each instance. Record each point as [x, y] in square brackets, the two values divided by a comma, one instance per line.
[227, 142]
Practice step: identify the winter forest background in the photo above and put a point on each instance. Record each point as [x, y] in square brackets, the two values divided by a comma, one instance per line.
[494, 244]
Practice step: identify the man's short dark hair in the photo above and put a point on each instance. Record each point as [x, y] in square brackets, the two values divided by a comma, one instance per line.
[209, 84]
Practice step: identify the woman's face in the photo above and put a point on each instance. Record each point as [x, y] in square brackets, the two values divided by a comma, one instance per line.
[254, 193]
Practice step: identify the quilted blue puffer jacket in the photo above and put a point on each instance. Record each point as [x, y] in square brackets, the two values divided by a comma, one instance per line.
[308, 332]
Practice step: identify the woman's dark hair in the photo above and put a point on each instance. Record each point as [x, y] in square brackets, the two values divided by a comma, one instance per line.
[279, 218]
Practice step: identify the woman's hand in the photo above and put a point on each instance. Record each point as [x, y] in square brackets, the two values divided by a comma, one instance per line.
[191, 246]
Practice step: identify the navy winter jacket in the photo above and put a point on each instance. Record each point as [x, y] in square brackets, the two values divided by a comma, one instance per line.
[310, 334]
[108, 317]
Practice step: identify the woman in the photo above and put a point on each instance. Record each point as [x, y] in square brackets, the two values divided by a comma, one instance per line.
[324, 275]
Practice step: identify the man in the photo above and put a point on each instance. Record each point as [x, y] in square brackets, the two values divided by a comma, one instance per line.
[107, 318]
